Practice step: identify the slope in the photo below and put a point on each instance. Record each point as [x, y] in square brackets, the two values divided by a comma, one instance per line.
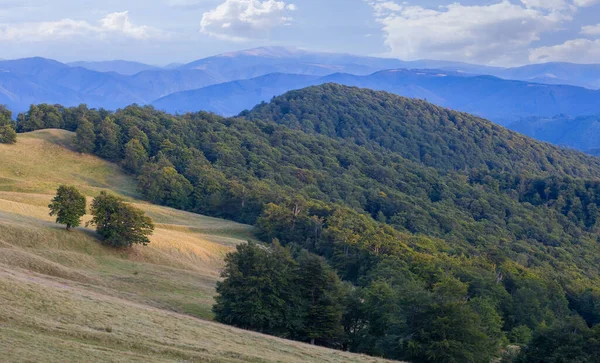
[581, 133]
[67, 298]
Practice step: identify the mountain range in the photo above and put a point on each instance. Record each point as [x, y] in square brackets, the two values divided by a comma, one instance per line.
[232, 82]
[501, 101]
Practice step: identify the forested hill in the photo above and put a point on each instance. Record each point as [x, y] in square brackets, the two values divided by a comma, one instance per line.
[455, 236]
[417, 130]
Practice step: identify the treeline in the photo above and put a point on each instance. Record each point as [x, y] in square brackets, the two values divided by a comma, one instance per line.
[441, 239]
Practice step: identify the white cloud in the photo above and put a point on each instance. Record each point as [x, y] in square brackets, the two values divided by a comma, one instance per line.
[584, 3]
[591, 29]
[575, 50]
[112, 25]
[548, 4]
[495, 34]
[241, 20]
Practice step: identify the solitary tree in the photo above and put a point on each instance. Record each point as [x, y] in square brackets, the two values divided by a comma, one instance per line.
[120, 224]
[8, 135]
[68, 206]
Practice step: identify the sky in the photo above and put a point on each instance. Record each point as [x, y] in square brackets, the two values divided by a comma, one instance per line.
[492, 32]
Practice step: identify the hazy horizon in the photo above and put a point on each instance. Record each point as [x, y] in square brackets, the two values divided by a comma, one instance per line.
[487, 32]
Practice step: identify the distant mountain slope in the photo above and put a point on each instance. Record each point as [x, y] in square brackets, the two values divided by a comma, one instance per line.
[260, 61]
[232, 97]
[118, 66]
[499, 100]
[582, 133]
[38, 80]
[584, 75]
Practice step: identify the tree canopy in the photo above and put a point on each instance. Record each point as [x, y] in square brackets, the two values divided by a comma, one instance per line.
[118, 223]
[68, 206]
[437, 221]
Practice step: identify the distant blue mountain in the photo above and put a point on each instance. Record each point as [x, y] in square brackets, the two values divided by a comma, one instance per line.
[39, 80]
[584, 75]
[582, 133]
[232, 97]
[118, 66]
[239, 80]
[499, 100]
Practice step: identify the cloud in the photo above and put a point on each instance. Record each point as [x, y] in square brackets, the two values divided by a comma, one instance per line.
[584, 3]
[575, 50]
[500, 33]
[240, 20]
[188, 4]
[591, 29]
[548, 4]
[112, 25]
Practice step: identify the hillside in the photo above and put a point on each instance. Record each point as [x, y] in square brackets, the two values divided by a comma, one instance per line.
[448, 230]
[417, 130]
[66, 298]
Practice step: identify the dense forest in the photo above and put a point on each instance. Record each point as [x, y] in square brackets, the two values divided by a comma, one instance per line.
[450, 238]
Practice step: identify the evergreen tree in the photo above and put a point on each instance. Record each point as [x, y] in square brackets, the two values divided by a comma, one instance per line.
[120, 224]
[85, 138]
[68, 206]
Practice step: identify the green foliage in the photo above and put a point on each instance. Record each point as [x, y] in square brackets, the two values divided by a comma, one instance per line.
[85, 137]
[31, 121]
[258, 290]
[108, 141]
[449, 231]
[68, 206]
[8, 134]
[320, 290]
[162, 184]
[135, 156]
[568, 341]
[120, 224]
[520, 335]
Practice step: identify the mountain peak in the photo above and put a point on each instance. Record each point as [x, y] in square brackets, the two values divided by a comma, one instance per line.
[271, 51]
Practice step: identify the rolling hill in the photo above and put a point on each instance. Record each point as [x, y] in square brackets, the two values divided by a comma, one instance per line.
[67, 298]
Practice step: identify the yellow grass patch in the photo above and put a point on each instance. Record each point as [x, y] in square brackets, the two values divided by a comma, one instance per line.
[66, 298]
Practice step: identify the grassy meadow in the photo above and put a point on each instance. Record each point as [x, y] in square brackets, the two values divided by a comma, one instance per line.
[66, 298]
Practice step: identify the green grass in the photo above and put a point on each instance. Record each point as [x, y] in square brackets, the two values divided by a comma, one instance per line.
[66, 298]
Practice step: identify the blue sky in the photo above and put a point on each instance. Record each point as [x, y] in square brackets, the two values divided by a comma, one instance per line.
[495, 32]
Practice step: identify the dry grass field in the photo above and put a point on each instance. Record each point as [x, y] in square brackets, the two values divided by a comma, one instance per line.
[66, 298]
